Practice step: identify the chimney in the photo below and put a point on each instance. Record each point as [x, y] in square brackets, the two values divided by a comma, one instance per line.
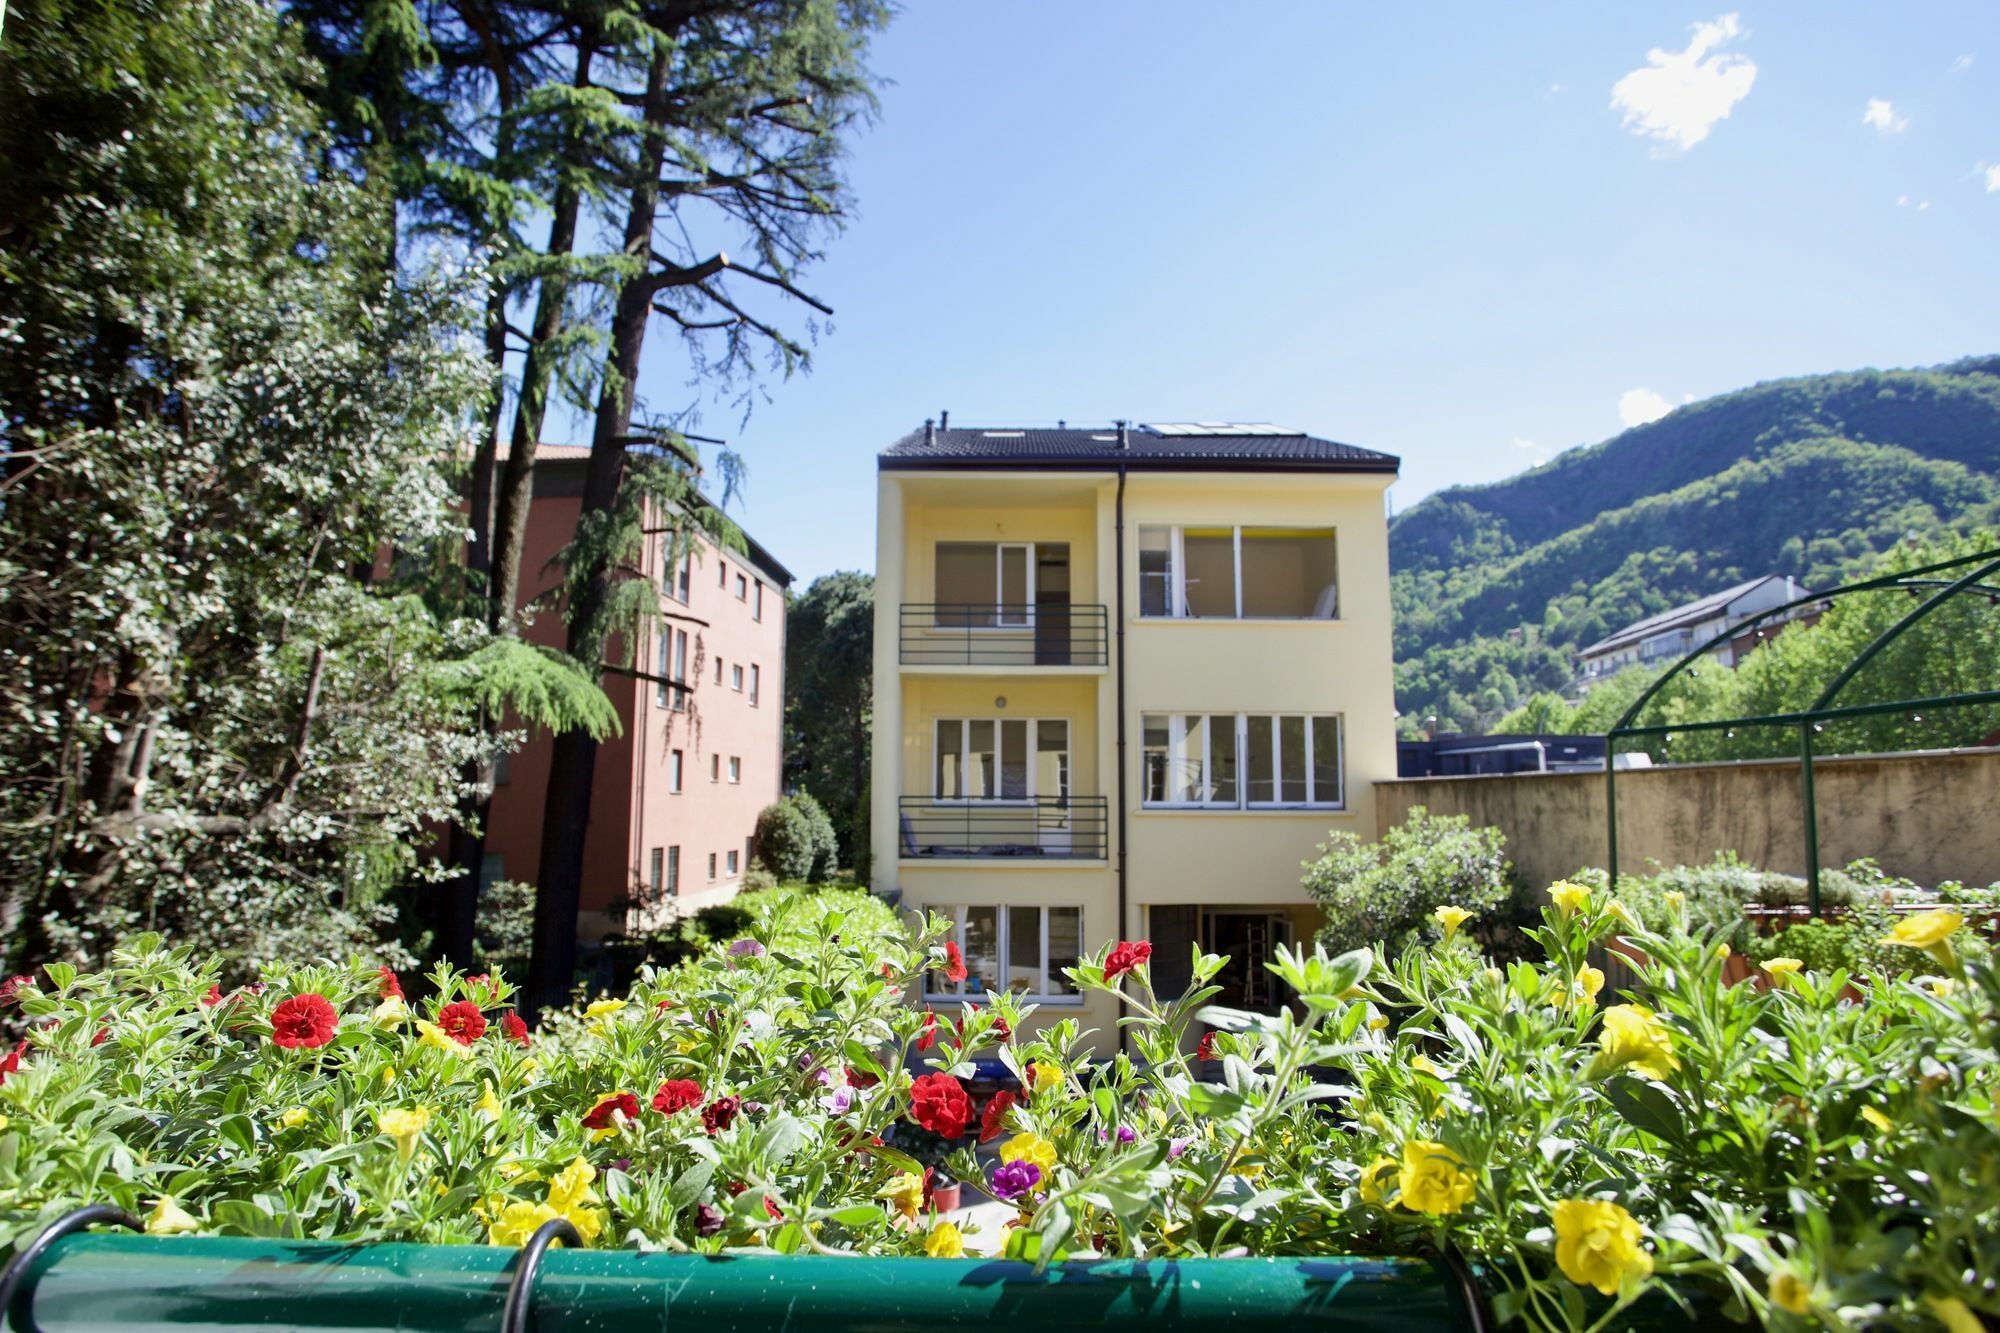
[930, 431]
[1124, 437]
[944, 421]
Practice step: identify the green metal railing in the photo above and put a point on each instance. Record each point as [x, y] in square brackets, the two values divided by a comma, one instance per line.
[1808, 722]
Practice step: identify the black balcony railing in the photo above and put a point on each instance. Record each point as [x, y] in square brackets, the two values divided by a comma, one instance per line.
[999, 634]
[1059, 827]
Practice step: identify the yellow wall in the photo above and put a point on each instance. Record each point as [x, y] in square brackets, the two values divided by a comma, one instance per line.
[928, 698]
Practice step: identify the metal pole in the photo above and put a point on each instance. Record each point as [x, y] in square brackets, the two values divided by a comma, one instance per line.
[1611, 806]
[1811, 816]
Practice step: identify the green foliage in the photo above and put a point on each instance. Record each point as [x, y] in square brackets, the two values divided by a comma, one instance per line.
[1497, 586]
[1384, 893]
[795, 840]
[506, 926]
[829, 688]
[541, 686]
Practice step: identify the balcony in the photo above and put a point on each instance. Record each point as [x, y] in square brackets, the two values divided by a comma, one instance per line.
[1062, 828]
[1006, 635]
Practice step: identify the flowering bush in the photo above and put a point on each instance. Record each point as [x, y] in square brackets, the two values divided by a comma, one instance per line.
[1771, 1149]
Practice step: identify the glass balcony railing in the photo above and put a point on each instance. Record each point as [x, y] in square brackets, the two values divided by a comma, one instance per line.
[1003, 635]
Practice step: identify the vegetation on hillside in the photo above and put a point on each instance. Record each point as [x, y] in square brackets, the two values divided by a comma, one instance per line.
[1497, 586]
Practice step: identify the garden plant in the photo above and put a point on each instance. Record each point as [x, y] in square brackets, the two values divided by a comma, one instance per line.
[1772, 1152]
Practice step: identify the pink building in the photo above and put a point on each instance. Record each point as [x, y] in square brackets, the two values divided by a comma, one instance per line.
[677, 794]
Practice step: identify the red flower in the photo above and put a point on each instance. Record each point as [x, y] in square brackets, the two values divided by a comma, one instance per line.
[993, 1120]
[954, 963]
[1205, 1049]
[857, 1079]
[103, 1035]
[623, 1103]
[665, 1003]
[387, 986]
[677, 1094]
[1001, 1031]
[719, 1114]
[771, 1209]
[304, 1020]
[462, 1022]
[1126, 956]
[516, 1030]
[938, 1103]
[12, 985]
[213, 998]
[927, 1036]
[11, 1063]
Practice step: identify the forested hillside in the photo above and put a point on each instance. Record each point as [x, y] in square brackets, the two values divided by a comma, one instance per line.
[1496, 586]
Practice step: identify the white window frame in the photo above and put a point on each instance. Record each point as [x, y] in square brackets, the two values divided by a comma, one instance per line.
[936, 988]
[1034, 750]
[742, 587]
[656, 879]
[674, 871]
[756, 681]
[730, 864]
[1027, 620]
[1177, 608]
[1242, 729]
[736, 678]
[735, 769]
[677, 584]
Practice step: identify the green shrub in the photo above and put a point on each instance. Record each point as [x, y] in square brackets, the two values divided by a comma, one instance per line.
[504, 932]
[1823, 946]
[795, 841]
[1384, 893]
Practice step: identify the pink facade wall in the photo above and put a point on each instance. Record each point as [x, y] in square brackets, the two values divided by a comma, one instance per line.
[634, 808]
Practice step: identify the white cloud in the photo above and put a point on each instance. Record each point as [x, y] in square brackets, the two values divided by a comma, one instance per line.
[1992, 174]
[1678, 96]
[1960, 65]
[1520, 443]
[1883, 117]
[1636, 407]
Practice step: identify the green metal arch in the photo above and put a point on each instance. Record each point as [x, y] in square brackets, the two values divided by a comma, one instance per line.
[1822, 709]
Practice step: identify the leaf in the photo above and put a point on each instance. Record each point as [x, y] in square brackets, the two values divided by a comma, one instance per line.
[691, 1184]
[778, 1139]
[1205, 1099]
[855, 1215]
[1645, 1106]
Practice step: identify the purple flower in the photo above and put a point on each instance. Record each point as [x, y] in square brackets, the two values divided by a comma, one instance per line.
[746, 948]
[1011, 1180]
[1126, 1134]
[707, 1220]
[839, 1100]
[1175, 1147]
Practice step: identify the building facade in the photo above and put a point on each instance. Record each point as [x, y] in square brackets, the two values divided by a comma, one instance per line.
[1125, 682]
[677, 792]
[1662, 639]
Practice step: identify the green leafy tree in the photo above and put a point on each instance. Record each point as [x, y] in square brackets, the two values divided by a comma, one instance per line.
[829, 702]
[1383, 893]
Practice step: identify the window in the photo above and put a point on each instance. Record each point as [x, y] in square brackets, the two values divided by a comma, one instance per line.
[676, 762]
[711, 865]
[993, 584]
[1019, 949]
[715, 768]
[732, 860]
[754, 674]
[718, 671]
[671, 688]
[736, 678]
[749, 845]
[673, 871]
[735, 768]
[1238, 573]
[1000, 759]
[676, 581]
[657, 879]
[721, 581]
[757, 606]
[742, 588]
[1235, 761]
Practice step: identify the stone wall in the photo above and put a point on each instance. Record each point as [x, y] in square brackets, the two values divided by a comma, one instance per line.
[1928, 816]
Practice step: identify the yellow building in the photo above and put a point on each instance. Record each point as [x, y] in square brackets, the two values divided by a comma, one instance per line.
[1126, 680]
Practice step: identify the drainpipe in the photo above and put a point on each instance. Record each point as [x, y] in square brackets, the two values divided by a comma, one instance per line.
[1118, 535]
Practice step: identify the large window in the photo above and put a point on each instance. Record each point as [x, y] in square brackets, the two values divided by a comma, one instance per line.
[996, 584]
[1017, 949]
[1234, 761]
[1238, 573]
[1000, 759]
[671, 688]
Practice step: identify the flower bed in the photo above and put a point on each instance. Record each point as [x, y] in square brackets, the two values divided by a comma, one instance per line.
[1789, 1152]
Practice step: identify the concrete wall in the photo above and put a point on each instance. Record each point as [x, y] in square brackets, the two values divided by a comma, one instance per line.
[1928, 816]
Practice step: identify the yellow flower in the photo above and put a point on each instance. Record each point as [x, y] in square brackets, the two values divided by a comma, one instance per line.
[1878, 1119]
[170, 1219]
[905, 1194]
[1781, 968]
[1422, 1064]
[1676, 899]
[1789, 1292]
[1026, 1147]
[1433, 1179]
[436, 1037]
[1632, 1036]
[388, 1075]
[1954, 1314]
[1377, 1179]
[1043, 1076]
[293, 1118]
[1451, 918]
[1377, 1020]
[1942, 986]
[599, 1010]
[571, 1198]
[489, 1105]
[392, 1012]
[1930, 931]
[945, 1242]
[1598, 1245]
[1624, 915]
[404, 1125]
[1569, 898]
[517, 1222]
[1589, 981]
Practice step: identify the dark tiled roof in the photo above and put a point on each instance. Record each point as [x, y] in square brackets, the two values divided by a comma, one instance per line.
[1688, 613]
[1218, 449]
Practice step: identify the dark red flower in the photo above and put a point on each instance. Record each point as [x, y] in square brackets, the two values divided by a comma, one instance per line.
[708, 1219]
[257, 988]
[665, 1003]
[858, 1079]
[599, 1116]
[927, 1036]
[719, 1114]
[386, 984]
[1205, 1048]
[462, 1022]
[938, 1103]
[677, 1094]
[213, 998]
[1001, 1031]
[993, 1120]
[11, 985]
[103, 1035]
[954, 963]
[515, 1030]
[1127, 955]
[11, 1062]
[772, 1210]
[304, 1020]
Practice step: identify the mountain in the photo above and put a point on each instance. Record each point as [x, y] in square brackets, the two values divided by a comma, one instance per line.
[1496, 586]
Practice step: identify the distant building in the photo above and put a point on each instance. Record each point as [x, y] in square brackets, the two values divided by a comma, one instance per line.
[676, 795]
[1472, 756]
[1664, 638]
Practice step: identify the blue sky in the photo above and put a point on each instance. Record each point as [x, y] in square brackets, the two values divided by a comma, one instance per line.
[1438, 232]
